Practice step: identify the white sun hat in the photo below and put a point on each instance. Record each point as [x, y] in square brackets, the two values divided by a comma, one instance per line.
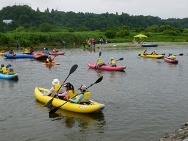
[55, 81]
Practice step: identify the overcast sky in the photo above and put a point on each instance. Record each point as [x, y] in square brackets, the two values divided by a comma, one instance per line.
[161, 8]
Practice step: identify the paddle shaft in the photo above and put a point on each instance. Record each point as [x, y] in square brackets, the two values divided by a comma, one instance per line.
[74, 67]
[55, 109]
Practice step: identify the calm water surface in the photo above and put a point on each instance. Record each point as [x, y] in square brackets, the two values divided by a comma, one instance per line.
[143, 103]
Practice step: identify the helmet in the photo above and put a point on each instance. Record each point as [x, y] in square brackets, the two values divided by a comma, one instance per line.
[111, 58]
[2, 65]
[83, 87]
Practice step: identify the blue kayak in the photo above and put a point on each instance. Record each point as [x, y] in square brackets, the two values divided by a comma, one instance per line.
[9, 76]
[17, 56]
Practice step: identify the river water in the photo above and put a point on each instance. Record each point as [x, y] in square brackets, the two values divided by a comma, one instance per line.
[143, 103]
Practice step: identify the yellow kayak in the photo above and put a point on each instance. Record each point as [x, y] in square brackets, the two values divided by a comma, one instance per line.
[158, 56]
[1, 53]
[79, 108]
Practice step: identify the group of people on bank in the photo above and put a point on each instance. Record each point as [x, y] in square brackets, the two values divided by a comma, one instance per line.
[69, 93]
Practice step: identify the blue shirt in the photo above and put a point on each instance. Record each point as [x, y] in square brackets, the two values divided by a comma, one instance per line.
[76, 100]
[47, 52]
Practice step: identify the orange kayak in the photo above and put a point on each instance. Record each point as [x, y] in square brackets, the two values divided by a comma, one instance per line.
[50, 63]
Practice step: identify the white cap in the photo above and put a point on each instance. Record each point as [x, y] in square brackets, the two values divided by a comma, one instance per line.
[55, 81]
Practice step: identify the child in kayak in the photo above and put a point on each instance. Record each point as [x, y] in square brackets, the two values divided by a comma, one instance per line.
[56, 88]
[68, 93]
[49, 59]
[82, 97]
[112, 62]
[100, 63]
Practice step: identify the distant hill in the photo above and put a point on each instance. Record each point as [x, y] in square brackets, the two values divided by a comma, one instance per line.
[24, 16]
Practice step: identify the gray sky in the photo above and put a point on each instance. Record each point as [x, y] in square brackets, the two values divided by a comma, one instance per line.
[160, 8]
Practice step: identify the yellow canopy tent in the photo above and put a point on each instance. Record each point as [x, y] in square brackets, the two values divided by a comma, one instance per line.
[140, 36]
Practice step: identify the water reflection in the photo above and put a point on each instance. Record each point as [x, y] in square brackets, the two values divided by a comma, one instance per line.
[84, 121]
[72, 119]
[7, 84]
[102, 72]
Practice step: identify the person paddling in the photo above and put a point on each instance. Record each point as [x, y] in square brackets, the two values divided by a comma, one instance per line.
[100, 63]
[49, 59]
[55, 88]
[82, 97]
[112, 62]
[68, 93]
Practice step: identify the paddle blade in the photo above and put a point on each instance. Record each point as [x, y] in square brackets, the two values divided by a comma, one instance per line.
[139, 54]
[74, 67]
[120, 59]
[54, 110]
[181, 54]
[99, 54]
[49, 104]
[99, 80]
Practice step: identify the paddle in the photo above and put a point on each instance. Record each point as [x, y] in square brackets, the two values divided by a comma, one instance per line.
[99, 54]
[56, 108]
[119, 59]
[181, 54]
[54, 57]
[49, 103]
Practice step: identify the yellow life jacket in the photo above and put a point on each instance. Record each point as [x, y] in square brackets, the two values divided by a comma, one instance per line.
[71, 93]
[26, 50]
[113, 62]
[99, 62]
[48, 60]
[57, 86]
[4, 70]
[86, 97]
[172, 57]
[10, 72]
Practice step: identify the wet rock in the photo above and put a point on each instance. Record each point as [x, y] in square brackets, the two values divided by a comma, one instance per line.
[179, 135]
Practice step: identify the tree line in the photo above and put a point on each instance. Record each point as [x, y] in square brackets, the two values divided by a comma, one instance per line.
[25, 16]
[50, 27]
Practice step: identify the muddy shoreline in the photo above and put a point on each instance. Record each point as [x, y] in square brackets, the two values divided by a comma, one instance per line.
[139, 45]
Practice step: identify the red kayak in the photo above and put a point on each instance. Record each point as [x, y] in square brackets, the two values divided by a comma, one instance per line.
[57, 53]
[93, 65]
[40, 56]
[168, 60]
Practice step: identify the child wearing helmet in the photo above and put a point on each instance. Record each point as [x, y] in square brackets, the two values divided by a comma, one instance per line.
[100, 62]
[171, 56]
[112, 62]
[154, 53]
[81, 98]
[10, 71]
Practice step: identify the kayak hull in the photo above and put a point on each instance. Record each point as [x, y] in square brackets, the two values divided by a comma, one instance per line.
[149, 45]
[105, 67]
[50, 64]
[17, 56]
[159, 56]
[9, 77]
[172, 61]
[40, 56]
[73, 107]
[57, 53]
